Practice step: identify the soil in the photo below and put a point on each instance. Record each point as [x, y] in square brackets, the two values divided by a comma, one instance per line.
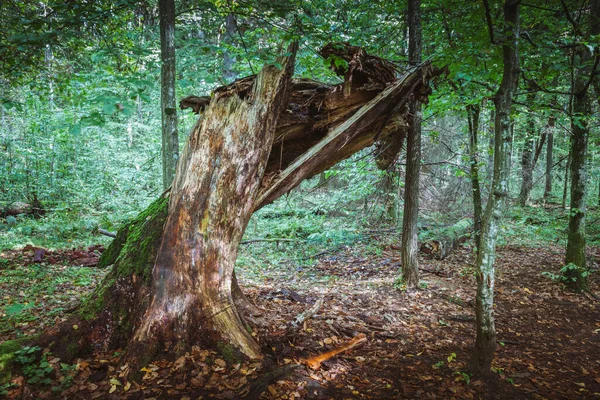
[418, 343]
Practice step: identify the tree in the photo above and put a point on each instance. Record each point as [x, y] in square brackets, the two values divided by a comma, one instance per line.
[585, 64]
[170, 139]
[549, 158]
[485, 341]
[473, 113]
[410, 229]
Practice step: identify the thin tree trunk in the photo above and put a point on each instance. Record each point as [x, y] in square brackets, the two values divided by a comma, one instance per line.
[410, 231]
[485, 342]
[549, 159]
[527, 158]
[229, 74]
[473, 112]
[170, 139]
[491, 145]
[566, 180]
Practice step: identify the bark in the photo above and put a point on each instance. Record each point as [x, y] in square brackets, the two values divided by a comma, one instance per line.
[211, 202]
[229, 74]
[549, 158]
[410, 230]
[575, 272]
[473, 112]
[485, 342]
[566, 179]
[170, 139]
[527, 158]
[172, 282]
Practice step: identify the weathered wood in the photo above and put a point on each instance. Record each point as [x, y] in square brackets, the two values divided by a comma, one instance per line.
[355, 133]
[445, 240]
[328, 123]
[211, 202]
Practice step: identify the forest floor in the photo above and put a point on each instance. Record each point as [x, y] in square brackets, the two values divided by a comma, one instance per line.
[417, 346]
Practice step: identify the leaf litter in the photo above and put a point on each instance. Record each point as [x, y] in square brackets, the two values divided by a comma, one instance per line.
[412, 344]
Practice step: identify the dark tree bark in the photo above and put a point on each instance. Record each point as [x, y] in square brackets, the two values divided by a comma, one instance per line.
[583, 74]
[170, 139]
[549, 158]
[527, 157]
[566, 179]
[473, 112]
[485, 342]
[410, 231]
[229, 74]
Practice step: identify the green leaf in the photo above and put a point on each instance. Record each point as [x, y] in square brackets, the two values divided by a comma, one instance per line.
[75, 129]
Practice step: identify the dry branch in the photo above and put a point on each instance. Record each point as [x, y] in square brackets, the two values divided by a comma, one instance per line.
[315, 362]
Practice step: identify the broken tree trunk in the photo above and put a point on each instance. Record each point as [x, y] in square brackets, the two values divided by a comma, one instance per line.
[445, 240]
[170, 286]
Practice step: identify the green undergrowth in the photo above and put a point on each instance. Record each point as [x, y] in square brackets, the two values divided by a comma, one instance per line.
[37, 295]
[536, 226]
[60, 229]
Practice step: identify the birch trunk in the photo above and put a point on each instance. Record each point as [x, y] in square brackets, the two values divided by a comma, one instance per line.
[485, 342]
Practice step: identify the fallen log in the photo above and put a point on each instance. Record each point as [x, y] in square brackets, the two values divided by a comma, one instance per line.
[443, 240]
[21, 208]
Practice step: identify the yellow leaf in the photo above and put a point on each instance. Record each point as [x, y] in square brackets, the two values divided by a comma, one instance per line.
[115, 381]
[581, 384]
[527, 291]
[112, 388]
[127, 386]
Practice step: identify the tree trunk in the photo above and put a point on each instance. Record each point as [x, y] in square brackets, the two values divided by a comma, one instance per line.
[446, 239]
[549, 158]
[473, 112]
[575, 274]
[210, 205]
[410, 230]
[566, 180]
[229, 74]
[485, 342]
[170, 139]
[527, 158]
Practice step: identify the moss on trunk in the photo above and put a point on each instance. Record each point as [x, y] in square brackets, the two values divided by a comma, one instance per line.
[107, 317]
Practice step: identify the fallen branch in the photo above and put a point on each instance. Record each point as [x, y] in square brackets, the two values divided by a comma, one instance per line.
[107, 233]
[249, 241]
[315, 362]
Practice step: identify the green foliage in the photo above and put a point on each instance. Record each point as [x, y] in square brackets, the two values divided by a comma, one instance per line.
[567, 274]
[36, 368]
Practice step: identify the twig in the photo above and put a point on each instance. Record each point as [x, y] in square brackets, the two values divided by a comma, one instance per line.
[268, 240]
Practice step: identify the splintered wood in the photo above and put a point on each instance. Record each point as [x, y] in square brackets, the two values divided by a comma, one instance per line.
[324, 124]
[315, 362]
